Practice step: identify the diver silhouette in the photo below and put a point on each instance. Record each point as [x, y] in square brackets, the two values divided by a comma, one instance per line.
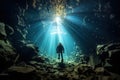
[60, 51]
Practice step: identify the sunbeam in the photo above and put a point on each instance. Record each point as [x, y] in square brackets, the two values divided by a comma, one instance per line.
[54, 32]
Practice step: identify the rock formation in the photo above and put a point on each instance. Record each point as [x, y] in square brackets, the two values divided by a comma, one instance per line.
[19, 59]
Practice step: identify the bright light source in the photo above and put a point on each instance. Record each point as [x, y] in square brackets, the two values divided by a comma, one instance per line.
[53, 34]
[57, 19]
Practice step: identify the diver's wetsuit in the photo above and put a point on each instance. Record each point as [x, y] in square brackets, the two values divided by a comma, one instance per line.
[60, 51]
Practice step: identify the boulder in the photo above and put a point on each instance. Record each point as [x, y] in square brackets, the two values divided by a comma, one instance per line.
[114, 57]
[26, 51]
[99, 70]
[110, 52]
[21, 72]
[39, 59]
[7, 55]
[27, 69]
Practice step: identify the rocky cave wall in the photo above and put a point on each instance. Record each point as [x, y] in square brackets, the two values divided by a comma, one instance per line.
[16, 50]
[14, 47]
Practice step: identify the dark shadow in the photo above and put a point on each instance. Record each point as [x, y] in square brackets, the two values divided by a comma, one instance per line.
[61, 65]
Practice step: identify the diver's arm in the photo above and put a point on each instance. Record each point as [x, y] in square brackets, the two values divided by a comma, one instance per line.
[63, 49]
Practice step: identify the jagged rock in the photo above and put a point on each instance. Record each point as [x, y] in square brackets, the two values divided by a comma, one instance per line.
[33, 62]
[69, 69]
[39, 59]
[21, 21]
[78, 69]
[115, 57]
[2, 31]
[84, 70]
[89, 72]
[36, 64]
[17, 36]
[109, 52]
[82, 77]
[99, 70]
[7, 54]
[26, 51]
[112, 46]
[103, 54]
[21, 69]
[9, 30]
[22, 72]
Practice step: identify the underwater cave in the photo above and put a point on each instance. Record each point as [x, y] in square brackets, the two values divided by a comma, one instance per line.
[63, 39]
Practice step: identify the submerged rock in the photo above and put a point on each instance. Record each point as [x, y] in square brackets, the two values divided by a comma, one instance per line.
[7, 55]
[27, 69]
[21, 72]
[13, 47]
[26, 51]
[39, 59]
[3, 34]
[9, 30]
[110, 53]
[99, 70]
[115, 57]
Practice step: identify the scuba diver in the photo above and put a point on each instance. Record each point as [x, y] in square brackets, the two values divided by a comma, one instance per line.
[60, 51]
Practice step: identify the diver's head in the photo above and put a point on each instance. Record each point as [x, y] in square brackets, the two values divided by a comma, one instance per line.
[60, 43]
